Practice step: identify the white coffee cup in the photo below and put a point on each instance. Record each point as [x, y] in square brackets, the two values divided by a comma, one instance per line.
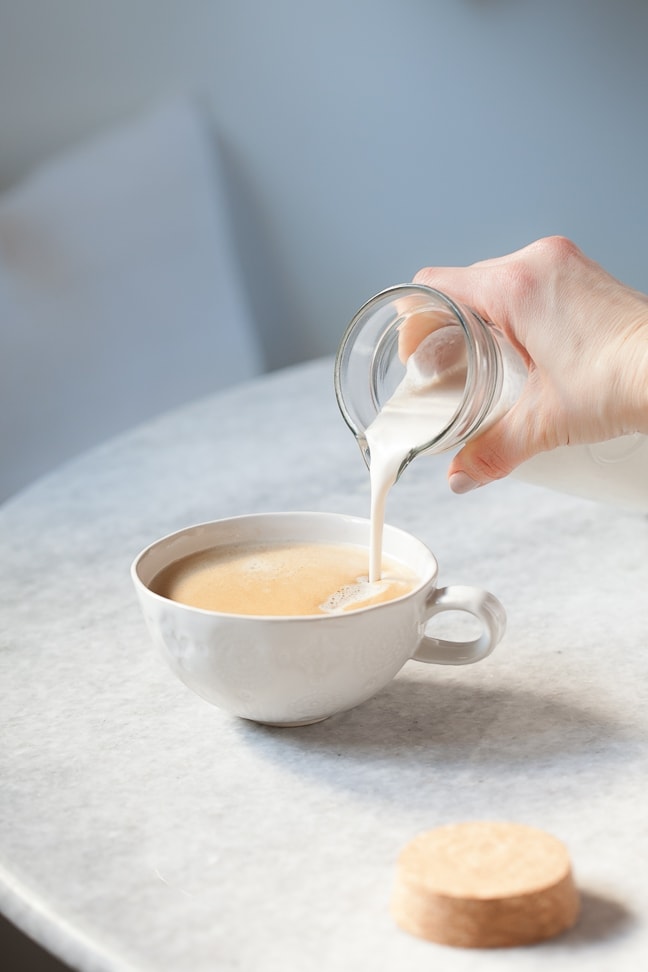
[297, 670]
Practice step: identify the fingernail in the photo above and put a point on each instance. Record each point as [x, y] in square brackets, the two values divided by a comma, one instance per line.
[460, 482]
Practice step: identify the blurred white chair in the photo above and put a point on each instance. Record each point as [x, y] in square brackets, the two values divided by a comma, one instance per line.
[120, 293]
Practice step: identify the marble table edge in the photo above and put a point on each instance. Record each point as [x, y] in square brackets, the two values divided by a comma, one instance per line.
[31, 914]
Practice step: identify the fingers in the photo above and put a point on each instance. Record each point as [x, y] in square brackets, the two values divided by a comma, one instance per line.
[482, 462]
[465, 284]
[495, 453]
[416, 326]
[471, 286]
[499, 289]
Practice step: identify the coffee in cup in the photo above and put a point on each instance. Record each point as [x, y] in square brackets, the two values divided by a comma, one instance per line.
[281, 579]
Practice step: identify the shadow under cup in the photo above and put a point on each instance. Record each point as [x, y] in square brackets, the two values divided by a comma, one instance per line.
[298, 670]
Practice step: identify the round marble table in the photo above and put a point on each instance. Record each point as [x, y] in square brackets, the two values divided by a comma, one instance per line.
[142, 829]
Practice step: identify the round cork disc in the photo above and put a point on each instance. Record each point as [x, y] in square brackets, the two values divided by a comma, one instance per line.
[485, 884]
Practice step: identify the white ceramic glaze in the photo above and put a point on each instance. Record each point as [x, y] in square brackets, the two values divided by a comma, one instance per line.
[298, 670]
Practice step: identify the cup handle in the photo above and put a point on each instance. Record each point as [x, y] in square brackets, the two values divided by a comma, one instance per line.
[472, 600]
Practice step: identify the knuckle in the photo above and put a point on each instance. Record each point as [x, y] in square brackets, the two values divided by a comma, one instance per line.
[555, 249]
[528, 272]
[423, 276]
[488, 465]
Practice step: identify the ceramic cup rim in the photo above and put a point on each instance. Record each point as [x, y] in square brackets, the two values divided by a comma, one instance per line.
[427, 577]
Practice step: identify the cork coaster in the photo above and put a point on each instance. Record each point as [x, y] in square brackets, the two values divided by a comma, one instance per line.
[485, 884]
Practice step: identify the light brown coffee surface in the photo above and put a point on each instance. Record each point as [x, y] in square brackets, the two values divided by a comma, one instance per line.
[485, 884]
[282, 579]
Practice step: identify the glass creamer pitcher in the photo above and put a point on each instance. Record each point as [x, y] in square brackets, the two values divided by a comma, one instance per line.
[488, 376]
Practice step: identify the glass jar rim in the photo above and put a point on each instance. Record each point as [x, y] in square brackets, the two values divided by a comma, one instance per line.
[481, 355]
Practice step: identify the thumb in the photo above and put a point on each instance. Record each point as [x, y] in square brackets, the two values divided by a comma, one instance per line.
[490, 456]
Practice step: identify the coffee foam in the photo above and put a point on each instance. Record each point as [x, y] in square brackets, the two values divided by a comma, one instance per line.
[358, 595]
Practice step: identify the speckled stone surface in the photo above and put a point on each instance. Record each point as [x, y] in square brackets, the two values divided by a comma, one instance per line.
[142, 829]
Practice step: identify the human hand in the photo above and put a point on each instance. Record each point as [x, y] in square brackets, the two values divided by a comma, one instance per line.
[584, 338]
